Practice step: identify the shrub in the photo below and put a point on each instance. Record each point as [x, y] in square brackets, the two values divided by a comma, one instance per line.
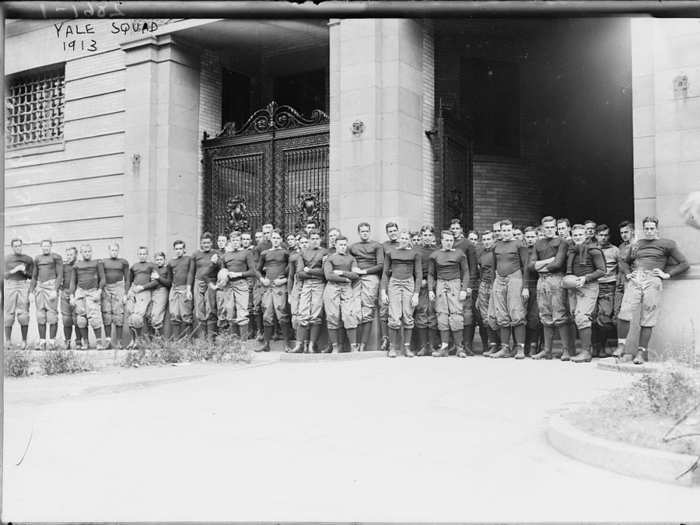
[670, 392]
[63, 362]
[17, 363]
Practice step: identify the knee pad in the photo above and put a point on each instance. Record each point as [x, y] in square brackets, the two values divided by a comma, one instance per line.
[95, 322]
[52, 317]
[135, 321]
[41, 316]
[23, 318]
[107, 318]
[81, 321]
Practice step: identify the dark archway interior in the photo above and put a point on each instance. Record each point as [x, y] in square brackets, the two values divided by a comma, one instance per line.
[553, 98]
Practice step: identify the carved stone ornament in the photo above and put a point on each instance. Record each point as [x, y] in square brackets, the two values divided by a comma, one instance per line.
[236, 214]
[690, 210]
[455, 203]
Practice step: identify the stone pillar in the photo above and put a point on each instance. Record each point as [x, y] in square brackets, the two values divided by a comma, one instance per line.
[667, 161]
[161, 144]
[377, 79]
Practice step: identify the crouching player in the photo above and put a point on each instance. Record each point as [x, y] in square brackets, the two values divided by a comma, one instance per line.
[87, 282]
[448, 282]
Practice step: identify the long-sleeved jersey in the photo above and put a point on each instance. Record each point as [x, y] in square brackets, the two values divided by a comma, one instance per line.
[12, 260]
[486, 265]
[425, 253]
[511, 256]
[140, 275]
[47, 267]
[311, 258]
[585, 260]
[116, 269]
[344, 263]
[611, 254]
[655, 253]
[401, 263]
[448, 265]
[467, 247]
[181, 270]
[203, 267]
[369, 256]
[87, 275]
[547, 248]
[165, 277]
[273, 264]
[67, 270]
[239, 261]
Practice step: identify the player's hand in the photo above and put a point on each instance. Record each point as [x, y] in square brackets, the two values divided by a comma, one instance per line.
[414, 300]
[307, 269]
[384, 297]
[657, 272]
[462, 295]
[525, 294]
[154, 275]
[431, 296]
[424, 283]
[580, 282]
[279, 281]
[212, 286]
[71, 300]
[265, 281]
[138, 288]
[469, 292]
[215, 258]
[338, 272]
[188, 294]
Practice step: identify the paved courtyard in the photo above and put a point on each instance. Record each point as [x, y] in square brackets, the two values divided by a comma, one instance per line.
[366, 440]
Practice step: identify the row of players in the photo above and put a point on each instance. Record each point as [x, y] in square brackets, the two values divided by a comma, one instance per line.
[572, 279]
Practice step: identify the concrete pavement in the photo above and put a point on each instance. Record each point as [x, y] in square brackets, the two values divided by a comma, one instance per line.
[372, 440]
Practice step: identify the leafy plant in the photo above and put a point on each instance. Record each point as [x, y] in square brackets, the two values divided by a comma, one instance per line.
[17, 363]
[63, 362]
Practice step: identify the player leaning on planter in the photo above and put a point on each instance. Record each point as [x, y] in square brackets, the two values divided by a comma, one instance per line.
[400, 288]
[309, 272]
[114, 294]
[67, 309]
[509, 293]
[46, 281]
[18, 272]
[644, 269]
[86, 286]
[369, 255]
[272, 273]
[586, 262]
[340, 299]
[448, 282]
[180, 298]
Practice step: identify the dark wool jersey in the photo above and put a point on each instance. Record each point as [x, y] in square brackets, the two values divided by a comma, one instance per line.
[67, 275]
[586, 260]
[116, 270]
[313, 259]
[369, 256]
[448, 266]
[262, 246]
[204, 269]
[389, 245]
[294, 258]
[532, 275]
[47, 267]
[545, 248]
[165, 277]
[486, 261]
[467, 248]
[140, 274]
[239, 261]
[87, 275]
[655, 253]
[273, 264]
[345, 263]
[181, 270]
[402, 264]
[511, 256]
[13, 260]
[425, 253]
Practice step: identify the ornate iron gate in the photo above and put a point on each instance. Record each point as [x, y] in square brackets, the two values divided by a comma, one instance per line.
[273, 169]
[454, 154]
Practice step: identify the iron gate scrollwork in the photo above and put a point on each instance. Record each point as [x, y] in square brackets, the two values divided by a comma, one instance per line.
[274, 168]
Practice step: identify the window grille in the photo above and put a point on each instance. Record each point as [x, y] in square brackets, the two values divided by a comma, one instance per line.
[35, 108]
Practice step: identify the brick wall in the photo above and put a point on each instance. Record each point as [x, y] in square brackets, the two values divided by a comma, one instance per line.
[209, 107]
[505, 188]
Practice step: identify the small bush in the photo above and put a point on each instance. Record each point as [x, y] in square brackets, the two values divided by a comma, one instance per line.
[670, 392]
[63, 362]
[17, 363]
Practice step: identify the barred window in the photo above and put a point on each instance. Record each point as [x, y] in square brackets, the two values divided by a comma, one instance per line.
[34, 108]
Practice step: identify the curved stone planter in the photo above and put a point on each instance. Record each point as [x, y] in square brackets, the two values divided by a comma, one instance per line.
[622, 458]
[610, 363]
[342, 356]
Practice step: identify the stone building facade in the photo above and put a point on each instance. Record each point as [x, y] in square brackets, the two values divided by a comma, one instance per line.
[425, 120]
